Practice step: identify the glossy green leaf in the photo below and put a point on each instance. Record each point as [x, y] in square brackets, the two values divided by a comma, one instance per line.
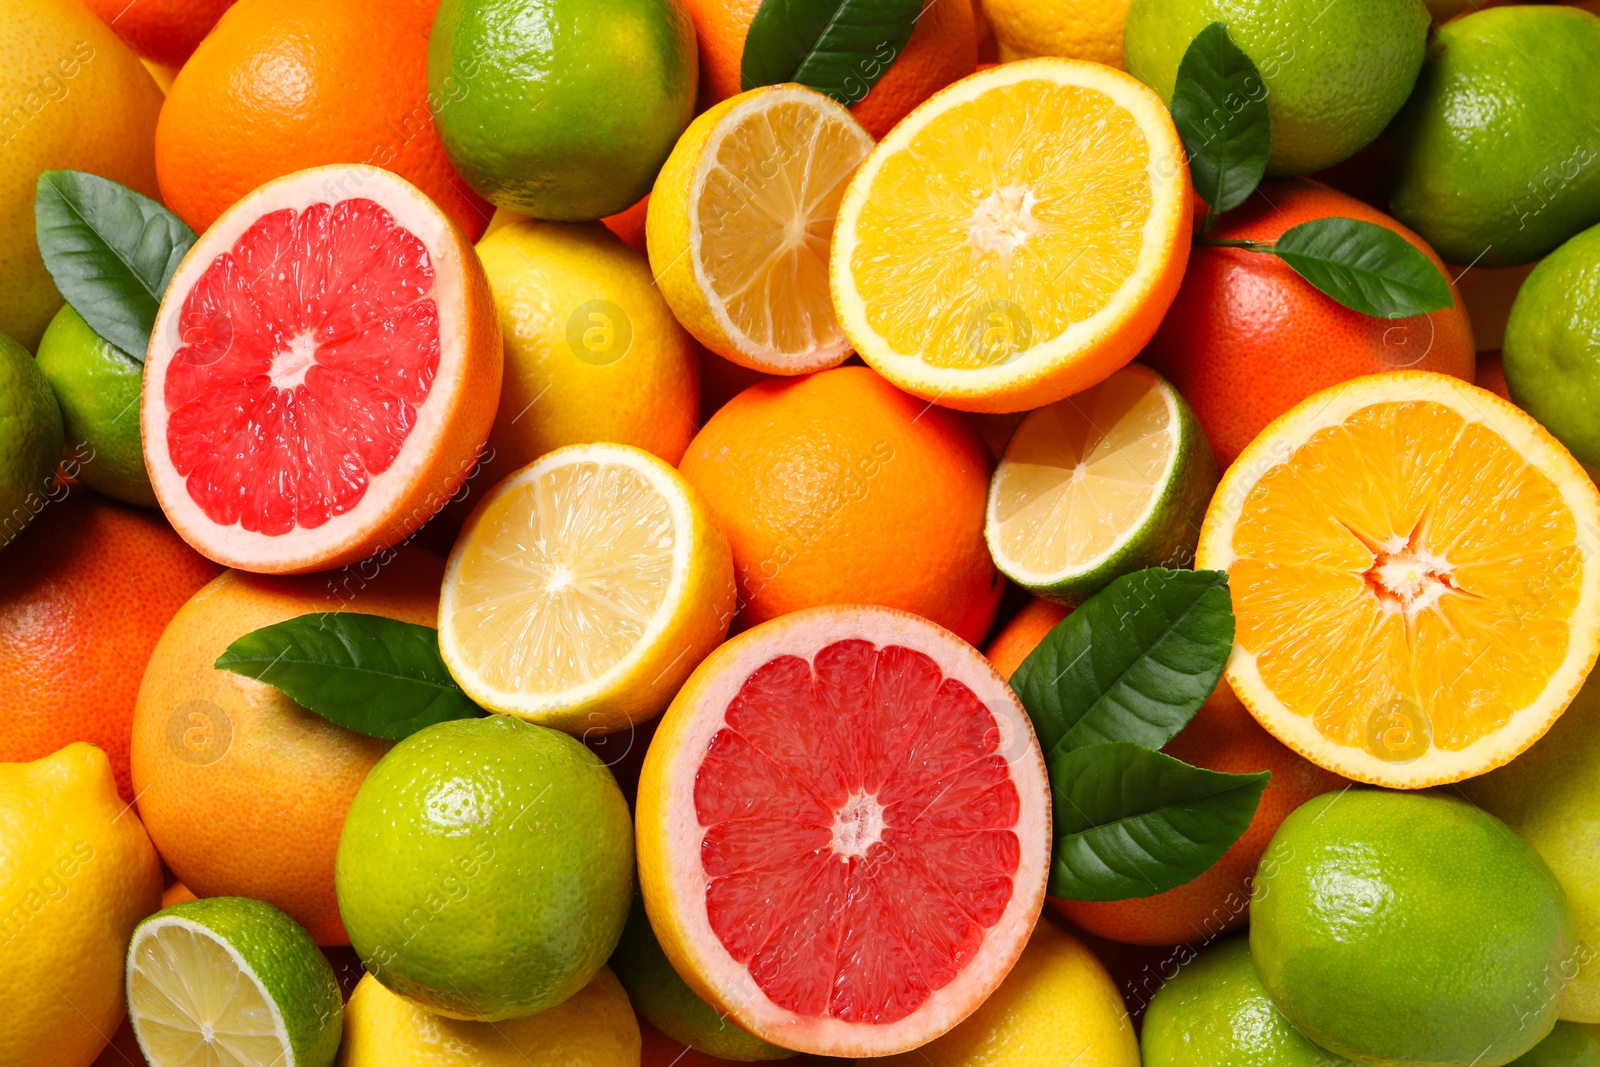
[1130, 822]
[837, 47]
[368, 673]
[1133, 663]
[1364, 266]
[1219, 104]
[111, 252]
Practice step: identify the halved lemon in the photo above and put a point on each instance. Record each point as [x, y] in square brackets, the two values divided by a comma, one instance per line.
[1016, 238]
[1415, 578]
[740, 221]
[231, 982]
[1112, 480]
[584, 589]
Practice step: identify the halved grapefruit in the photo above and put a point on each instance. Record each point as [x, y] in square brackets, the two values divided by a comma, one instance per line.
[325, 367]
[844, 830]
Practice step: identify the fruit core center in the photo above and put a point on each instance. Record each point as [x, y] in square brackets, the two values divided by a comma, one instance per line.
[857, 826]
[1408, 577]
[559, 580]
[289, 365]
[1003, 221]
[208, 1033]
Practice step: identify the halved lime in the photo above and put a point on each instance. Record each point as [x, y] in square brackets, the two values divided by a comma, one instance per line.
[231, 982]
[1107, 481]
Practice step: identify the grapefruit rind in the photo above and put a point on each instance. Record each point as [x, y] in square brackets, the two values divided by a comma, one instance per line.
[674, 883]
[440, 450]
[1086, 351]
[691, 618]
[1277, 444]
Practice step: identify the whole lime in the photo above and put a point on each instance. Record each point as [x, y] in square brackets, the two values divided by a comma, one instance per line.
[30, 438]
[1214, 1013]
[1569, 1045]
[486, 868]
[1335, 73]
[1551, 353]
[563, 109]
[1409, 928]
[1496, 158]
[97, 386]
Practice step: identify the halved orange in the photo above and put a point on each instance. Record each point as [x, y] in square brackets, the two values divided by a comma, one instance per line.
[1415, 578]
[1016, 238]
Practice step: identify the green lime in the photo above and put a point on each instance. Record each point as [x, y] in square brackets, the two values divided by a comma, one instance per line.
[231, 981]
[1335, 73]
[667, 1003]
[1496, 162]
[97, 386]
[1551, 353]
[1409, 928]
[31, 439]
[486, 868]
[1111, 480]
[1569, 1045]
[1214, 1013]
[563, 109]
[1550, 795]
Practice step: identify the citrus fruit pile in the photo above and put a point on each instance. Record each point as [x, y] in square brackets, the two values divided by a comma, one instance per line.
[661, 533]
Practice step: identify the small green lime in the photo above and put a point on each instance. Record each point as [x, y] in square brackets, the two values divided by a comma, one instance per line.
[229, 980]
[667, 1003]
[97, 386]
[486, 868]
[1551, 353]
[31, 439]
[1496, 160]
[1409, 929]
[1569, 1045]
[1214, 1013]
[1335, 73]
[562, 109]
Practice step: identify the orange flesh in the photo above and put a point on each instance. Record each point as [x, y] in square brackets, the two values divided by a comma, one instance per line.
[1405, 579]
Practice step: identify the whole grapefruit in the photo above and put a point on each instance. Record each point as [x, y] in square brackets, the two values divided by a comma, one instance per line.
[244, 791]
[162, 31]
[84, 595]
[1247, 338]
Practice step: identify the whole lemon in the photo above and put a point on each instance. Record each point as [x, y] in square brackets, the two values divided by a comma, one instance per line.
[75, 98]
[77, 873]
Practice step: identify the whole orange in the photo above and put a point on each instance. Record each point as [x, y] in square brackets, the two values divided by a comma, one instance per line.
[282, 85]
[943, 48]
[837, 488]
[1023, 633]
[84, 594]
[244, 791]
[1247, 338]
[163, 31]
[1221, 737]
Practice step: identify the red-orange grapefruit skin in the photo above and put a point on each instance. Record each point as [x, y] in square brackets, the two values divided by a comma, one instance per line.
[1247, 338]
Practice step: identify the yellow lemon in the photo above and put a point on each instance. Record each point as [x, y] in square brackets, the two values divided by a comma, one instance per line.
[77, 873]
[593, 1028]
[1058, 1005]
[1071, 29]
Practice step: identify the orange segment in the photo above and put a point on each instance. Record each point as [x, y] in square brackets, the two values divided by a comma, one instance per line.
[1416, 600]
[1016, 238]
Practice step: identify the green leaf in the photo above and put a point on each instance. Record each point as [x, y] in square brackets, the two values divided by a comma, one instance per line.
[111, 252]
[1133, 823]
[1133, 663]
[375, 675]
[1219, 105]
[837, 47]
[1364, 266]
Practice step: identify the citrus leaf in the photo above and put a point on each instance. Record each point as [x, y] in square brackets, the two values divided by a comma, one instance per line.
[1219, 104]
[837, 47]
[368, 673]
[1133, 663]
[110, 251]
[1364, 266]
[1133, 823]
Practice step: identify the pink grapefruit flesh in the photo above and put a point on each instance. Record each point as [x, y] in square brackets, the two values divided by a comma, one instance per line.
[308, 401]
[864, 830]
